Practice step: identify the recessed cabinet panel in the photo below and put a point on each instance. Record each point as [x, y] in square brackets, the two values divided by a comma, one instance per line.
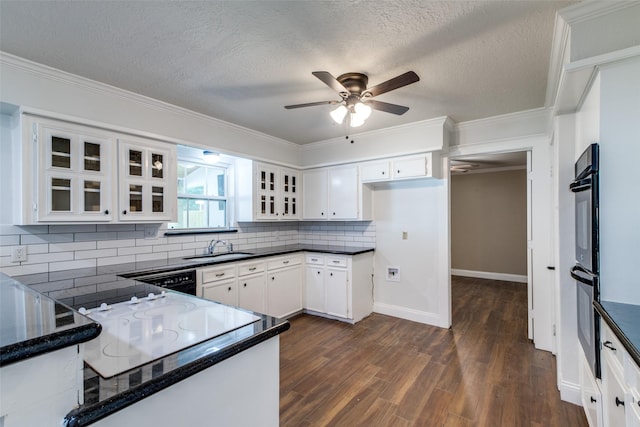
[343, 193]
[410, 167]
[315, 295]
[225, 292]
[316, 190]
[251, 293]
[337, 292]
[375, 171]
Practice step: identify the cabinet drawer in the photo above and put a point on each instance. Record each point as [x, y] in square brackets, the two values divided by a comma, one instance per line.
[333, 261]
[250, 268]
[217, 274]
[612, 346]
[315, 259]
[284, 262]
[632, 376]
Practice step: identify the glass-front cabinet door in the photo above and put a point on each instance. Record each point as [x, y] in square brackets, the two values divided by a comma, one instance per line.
[267, 205]
[75, 168]
[147, 180]
[290, 193]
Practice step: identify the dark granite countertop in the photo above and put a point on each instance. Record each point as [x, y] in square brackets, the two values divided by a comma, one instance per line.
[624, 321]
[32, 324]
[175, 264]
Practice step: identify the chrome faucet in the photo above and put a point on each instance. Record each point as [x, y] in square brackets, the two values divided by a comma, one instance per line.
[212, 246]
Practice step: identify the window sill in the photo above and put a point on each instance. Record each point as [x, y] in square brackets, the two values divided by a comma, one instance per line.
[186, 231]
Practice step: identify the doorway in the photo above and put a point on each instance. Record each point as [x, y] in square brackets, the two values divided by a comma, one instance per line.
[490, 221]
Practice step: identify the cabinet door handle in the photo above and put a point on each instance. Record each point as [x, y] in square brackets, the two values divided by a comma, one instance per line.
[593, 399]
[331, 274]
[334, 213]
[273, 278]
[124, 212]
[382, 172]
[245, 285]
[398, 170]
[619, 402]
[106, 212]
[322, 213]
[219, 274]
[285, 262]
[252, 268]
[229, 289]
[318, 271]
[609, 345]
[336, 262]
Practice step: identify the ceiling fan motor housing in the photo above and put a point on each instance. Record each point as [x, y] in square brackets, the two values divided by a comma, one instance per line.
[356, 83]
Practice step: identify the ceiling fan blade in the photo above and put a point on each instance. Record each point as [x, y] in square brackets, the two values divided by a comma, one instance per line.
[395, 83]
[330, 81]
[311, 104]
[386, 107]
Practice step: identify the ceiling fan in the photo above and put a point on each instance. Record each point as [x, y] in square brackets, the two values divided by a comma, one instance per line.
[356, 99]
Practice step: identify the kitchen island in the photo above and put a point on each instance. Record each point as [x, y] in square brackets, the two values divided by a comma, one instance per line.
[208, 382]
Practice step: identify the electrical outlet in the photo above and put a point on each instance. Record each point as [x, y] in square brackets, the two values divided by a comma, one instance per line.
[18, 254]
[150, 233]
[405, 235]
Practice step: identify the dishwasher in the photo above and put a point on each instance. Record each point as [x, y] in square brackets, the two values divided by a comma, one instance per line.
[181, 281]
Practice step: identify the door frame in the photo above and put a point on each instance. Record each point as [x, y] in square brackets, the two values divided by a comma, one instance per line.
[540, 238]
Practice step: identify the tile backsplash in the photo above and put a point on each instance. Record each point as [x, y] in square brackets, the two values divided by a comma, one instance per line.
[52, 248]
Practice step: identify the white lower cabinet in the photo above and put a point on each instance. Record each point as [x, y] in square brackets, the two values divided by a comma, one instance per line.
[339, 286]
[590, 393]
[284, 286]
[620, 380]
[251, 287]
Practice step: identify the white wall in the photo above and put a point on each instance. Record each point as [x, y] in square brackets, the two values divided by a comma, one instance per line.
[619, 190]
[419, 208]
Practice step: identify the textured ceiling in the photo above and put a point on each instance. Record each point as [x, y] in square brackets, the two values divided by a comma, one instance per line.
[242, 61]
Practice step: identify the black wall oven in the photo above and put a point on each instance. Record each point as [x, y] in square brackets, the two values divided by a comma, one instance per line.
[586, 269]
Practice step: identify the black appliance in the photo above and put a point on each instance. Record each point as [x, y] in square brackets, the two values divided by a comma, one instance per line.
[585, 272]
[181, 281]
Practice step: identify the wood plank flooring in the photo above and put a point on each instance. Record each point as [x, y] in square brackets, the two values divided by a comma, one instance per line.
[386, 371]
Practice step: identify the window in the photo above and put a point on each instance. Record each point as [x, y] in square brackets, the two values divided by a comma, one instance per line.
[202, 196]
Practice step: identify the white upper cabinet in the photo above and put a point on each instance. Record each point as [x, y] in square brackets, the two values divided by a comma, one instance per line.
[267, 192]
[315, 190]
[72, 173]
[344, 203]
[148, 183]
[335, 194]
[406, 167]
[75, 169]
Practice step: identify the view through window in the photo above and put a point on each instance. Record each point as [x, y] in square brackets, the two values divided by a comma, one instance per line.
[202, 196]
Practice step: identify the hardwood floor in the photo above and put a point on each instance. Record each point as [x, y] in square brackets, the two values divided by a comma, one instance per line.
[386, 371]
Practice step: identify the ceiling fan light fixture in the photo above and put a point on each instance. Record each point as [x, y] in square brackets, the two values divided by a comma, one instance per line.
[211, 157]
[355, 120]
[338, 114]
[362, 110]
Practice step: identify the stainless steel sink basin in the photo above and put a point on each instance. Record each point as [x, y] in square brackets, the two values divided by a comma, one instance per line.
[221, 256]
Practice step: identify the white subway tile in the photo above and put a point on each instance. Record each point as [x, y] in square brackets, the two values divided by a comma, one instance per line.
[21, 270]
[73, 246]
[180, 239]
[77, 228]
[49, 257]
[36, 239]
[167, 248]
[99, 253]
[69, 265]
[151, 242]
[116, 260]
[130, 234]
[11, 240]
[38, 249]
[134, 250]
[115, 227]
[83, 237]
[182, 253]
[108, 244]
[151, 257]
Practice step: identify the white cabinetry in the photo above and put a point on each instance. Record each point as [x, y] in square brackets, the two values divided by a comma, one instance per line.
[590, 393]
[74, 171]
[251, 286]
[339, 286]
[69, 173]
[267, 192]
[335, 194]
[147, 180]
[425, 165]
[218, 284]
[620, 379]
[284, 285]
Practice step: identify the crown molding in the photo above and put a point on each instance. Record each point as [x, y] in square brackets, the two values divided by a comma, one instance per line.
[559, 57]
[444, 122]
[44, 71]
[588, 10]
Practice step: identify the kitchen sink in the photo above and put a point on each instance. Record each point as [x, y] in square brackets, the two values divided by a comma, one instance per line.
[221, 256]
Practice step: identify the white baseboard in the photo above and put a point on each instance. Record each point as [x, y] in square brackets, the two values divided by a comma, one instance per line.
[409, 314]
[570, 392]
[488, 275]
